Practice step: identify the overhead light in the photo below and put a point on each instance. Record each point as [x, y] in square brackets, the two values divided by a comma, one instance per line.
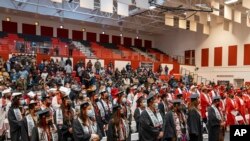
[230, 1]
[8, 19]
[151, 7]
[103, 32]
[36, 23]
[83, 29]
[61, 26]
[185, 13]
[121, 35]
[137, 37]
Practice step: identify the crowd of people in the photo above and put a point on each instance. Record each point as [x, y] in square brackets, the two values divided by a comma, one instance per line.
[48, 102]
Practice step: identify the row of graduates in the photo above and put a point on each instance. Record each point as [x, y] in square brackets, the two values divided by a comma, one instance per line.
[89, 118]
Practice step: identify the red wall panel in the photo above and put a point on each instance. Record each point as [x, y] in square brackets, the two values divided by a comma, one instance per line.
[147, 44]
[91, 36]
[62, 33]
[138, 43]
[218, 56]
[187, 57]
[77, 35]
[104, 38]
[232, 55]
[29, 29]
[46, 31]
[9, 27]
[204, 57]
[247, 54]
[116, 40]
[127, 41]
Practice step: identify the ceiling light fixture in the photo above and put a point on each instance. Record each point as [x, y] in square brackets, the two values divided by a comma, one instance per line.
[230, 1]
[121, 35]
[36, 23]
[83, 29]
[103, 32]
[8, 19]
[61, 26]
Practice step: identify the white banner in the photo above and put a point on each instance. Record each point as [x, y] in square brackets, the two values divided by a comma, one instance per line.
[89, 4]
[122, 9]
[142, 4]
[107, 6]
[58, 1]
[128, 2]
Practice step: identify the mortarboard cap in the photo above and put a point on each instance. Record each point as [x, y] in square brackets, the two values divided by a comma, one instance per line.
[43, 112]
[84, 104]
[194, 96]
[16, 94]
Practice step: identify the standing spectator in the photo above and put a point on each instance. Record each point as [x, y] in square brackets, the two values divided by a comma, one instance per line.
[68, 69]
[89, 65]
[56, 51]
[68, 61]
[128, 67]
[97, 66]
[166, 70]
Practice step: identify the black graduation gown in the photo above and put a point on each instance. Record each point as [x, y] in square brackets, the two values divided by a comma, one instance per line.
[78, 133]
[100, 121]
[170, 128]
[111, 134]
[147, 131]
[25, 135]
[15, 126]
[195, 125]
[137, 118]
[213, 125]
[35, 136]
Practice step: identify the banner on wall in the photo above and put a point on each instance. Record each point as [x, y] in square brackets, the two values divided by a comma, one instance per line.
[223, 82]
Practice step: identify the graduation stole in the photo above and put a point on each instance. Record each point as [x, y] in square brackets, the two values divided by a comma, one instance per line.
[59, 116]
[105, 105]
[91, 129]
[217, 113]
[157, 120]
[42, 135]
[18, 114]
[126, 126]
[102, 112]
[30, 123]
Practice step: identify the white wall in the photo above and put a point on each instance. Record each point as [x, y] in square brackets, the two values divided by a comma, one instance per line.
[47, 21]
[177, 41]
[121, 64]
[170, 67]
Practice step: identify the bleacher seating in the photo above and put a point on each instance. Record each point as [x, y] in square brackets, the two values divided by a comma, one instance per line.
[34, 38]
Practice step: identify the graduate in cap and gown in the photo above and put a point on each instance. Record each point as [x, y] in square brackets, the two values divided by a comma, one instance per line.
[176, 124]
[84, 128]
[118, 129]
[151, 121]
[141, 105]
[194, 120]
[216, 122]
[45, 129]
[30, 120]
[15, 117]
[64, 118]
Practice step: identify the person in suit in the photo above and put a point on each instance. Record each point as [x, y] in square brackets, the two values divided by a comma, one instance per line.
[216, 121]
[194, 119]
[176, 124]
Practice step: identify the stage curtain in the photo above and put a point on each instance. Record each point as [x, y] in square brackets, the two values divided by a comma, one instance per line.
[104, 38]
[138, 43]
[127, 41]
[116, 40]
[147, 44]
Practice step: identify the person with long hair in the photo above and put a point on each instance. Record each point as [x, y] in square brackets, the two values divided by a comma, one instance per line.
[15, 117]
[84, 128]
[118, 129]
[141, 105]
[176, 124]
[65, 131]
[194, 119]
[30, 120]
[45, 129]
